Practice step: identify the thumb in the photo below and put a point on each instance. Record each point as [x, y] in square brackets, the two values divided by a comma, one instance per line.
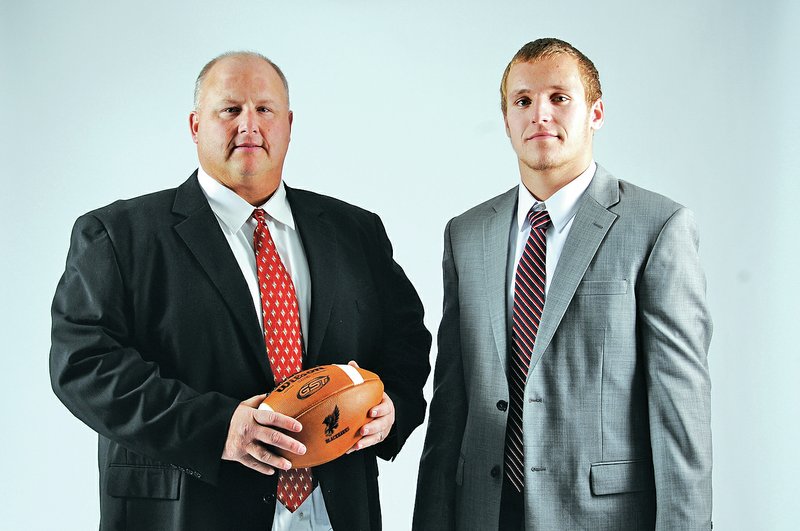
[254, 401]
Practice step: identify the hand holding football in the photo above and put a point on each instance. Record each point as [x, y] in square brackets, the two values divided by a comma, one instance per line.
[332, 402]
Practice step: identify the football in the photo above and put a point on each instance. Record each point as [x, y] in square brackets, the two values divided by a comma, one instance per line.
[332, 402]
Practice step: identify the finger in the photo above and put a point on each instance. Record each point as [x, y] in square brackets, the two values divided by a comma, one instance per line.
[372, 433]
[365, 442]
[381, 410]
[271, 437]
[267, 417]
[380, 425]
[353, 363]
[385, 407]
[258, 466]
[263, 458]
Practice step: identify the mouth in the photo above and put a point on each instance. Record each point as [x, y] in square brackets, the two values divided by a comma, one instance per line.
[542, 135]
[248, 147]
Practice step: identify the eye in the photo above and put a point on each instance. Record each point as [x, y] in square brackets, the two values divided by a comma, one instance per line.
[522, 102]
[231, 110]
[560, 98]
[262, 108]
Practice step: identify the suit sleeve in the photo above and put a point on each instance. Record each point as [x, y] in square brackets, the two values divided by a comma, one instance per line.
[406, 343]
[434, 509]
[98, 373]
[674, 333]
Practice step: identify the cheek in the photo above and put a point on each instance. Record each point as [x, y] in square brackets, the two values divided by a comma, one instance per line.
[575, 124]
[278, 133]
[516, 126]
[215, 140]
[221, 135]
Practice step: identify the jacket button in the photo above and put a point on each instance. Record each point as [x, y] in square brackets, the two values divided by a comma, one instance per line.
[495, 471]
[268, 498]
[502, 405]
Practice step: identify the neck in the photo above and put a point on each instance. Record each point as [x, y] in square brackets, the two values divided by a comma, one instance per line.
[546, 182]
[256, 189]
[257, 196]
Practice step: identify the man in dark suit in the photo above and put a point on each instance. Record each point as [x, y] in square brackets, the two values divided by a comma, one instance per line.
[163, 343]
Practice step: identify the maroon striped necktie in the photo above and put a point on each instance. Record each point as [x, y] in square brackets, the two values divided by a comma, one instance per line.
[284, 341]
[529, 283]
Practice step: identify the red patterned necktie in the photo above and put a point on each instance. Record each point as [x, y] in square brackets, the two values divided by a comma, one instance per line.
[284, 341]
[529, 283]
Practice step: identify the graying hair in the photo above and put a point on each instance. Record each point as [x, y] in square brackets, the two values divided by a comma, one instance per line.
[204, 72]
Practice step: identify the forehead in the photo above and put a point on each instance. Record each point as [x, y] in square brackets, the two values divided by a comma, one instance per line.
[559, 71]
[243, 77]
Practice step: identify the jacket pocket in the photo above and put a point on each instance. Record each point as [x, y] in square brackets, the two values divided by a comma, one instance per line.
[126, 481]
[602, 287]
[615, 477]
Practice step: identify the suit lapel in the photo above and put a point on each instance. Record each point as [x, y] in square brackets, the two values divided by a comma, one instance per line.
[203, 236]
[589, 228]
[320, 244]
[495, 265]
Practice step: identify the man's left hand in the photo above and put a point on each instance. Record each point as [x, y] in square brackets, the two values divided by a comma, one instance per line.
[378, 429]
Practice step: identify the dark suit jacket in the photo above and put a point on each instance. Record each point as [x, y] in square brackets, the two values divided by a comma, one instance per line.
[155, 342]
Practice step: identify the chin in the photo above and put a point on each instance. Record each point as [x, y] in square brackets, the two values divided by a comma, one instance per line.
[543, 164]
[540, 160]
[249, 171]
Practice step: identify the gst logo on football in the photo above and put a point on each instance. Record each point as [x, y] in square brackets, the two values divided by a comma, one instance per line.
[300, 375]
[312, 387]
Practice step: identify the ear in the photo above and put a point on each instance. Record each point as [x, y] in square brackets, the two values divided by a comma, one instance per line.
[193, 125]
[597, 115]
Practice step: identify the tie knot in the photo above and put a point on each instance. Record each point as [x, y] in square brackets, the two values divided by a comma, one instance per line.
[259, 214]
[539, 219]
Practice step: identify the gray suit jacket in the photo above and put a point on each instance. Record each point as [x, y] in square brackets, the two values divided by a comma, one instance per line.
[617, 415]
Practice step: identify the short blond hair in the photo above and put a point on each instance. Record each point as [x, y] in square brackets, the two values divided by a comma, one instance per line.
[545, 48]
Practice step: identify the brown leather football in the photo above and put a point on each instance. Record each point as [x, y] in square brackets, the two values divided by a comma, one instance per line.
[332, 402]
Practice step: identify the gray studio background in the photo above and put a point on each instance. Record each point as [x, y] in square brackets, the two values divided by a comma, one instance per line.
[396, 109]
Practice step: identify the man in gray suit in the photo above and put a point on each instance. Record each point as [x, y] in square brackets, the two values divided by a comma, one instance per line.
[571, 388]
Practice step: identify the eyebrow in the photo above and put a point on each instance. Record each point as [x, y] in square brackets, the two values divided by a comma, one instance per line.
[231, 101]
[524, 90]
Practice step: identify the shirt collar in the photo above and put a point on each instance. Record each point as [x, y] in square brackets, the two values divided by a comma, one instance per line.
[234, 211]
[561, 206]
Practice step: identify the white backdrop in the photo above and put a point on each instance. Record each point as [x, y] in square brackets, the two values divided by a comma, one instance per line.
[396, 109]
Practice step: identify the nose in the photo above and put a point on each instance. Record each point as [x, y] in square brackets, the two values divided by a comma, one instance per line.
[248, 123]
[541, 112]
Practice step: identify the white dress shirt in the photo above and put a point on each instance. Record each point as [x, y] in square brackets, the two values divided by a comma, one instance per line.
[562, 207]
[235, 217]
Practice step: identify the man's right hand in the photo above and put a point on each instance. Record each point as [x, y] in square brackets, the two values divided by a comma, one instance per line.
[252, 437]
